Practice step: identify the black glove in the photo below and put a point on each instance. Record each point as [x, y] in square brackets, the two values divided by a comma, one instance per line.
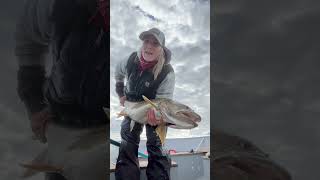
[30, 87]
[120, 89]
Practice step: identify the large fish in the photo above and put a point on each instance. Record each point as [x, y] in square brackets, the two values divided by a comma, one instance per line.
[174, 114]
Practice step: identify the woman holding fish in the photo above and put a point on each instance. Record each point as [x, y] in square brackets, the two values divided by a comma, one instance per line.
[147, 72]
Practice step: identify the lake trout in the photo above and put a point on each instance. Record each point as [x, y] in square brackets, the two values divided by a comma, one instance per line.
[173, 113]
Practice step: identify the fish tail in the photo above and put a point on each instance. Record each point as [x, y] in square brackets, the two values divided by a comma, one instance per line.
[161, 131]
[40, 158]
[122, 113]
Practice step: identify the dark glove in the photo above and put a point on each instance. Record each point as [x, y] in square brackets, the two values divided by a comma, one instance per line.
[39, 124]
[30, 87]
[120, 89]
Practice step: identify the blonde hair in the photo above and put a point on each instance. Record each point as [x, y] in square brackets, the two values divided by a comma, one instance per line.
[160, 63]
[158, 67]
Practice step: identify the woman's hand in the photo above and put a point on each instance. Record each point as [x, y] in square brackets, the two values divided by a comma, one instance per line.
[122, 100]
[39, 124]
[152, 119]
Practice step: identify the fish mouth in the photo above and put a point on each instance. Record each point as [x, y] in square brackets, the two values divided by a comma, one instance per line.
[179, 126]
[190, 115]
[188, 120]
[171, 124]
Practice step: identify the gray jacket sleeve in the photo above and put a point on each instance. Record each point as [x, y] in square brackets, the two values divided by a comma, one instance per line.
[33, 32]
[120, 74]
[166, 87]
[121, 70]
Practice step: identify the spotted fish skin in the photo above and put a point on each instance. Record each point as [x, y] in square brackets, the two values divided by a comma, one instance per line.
[174, 114]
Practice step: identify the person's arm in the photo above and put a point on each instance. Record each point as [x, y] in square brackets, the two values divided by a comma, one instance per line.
[32, 41]
[120, 74]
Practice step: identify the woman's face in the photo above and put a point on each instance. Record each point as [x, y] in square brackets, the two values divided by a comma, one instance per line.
[151, 48]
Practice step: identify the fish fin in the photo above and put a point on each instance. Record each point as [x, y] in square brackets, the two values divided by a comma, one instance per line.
[161, 131]
[42, 167]
[132, 123]
[150, 102]
[122, 113]
[42, 157]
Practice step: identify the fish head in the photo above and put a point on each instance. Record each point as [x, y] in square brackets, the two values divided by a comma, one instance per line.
[178, 115]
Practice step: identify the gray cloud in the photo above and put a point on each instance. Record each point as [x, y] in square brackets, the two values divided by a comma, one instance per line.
[187, 35]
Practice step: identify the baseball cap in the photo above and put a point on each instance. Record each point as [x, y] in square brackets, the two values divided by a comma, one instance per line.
[159, 35]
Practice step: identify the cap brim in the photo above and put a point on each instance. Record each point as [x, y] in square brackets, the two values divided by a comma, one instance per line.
[148, 33]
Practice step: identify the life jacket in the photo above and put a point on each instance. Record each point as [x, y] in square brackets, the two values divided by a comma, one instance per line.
[79, 80]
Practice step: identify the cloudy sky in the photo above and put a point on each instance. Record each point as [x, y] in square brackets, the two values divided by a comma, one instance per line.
[186, 25]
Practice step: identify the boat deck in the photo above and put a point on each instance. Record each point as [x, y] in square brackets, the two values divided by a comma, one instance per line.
[143, 165]
[188, 163]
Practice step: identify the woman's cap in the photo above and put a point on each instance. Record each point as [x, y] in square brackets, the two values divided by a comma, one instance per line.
[159, 35]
